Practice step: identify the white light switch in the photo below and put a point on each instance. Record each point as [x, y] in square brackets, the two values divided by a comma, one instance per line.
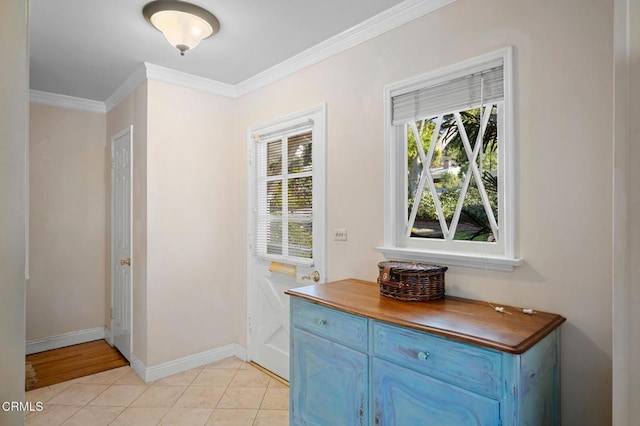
[340, 234]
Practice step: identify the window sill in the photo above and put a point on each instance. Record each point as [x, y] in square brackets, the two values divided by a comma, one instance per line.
[452, 259]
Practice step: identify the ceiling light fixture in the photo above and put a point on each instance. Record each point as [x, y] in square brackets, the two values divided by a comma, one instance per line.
[183, 24]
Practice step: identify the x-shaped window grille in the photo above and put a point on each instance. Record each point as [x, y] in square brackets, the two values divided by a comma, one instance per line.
[426, 177]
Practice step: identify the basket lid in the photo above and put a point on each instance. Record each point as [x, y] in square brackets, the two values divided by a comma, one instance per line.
[411, 266]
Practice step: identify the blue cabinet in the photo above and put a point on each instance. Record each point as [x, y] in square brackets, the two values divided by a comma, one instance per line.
[470, 367]
[336, 378]
[358, 358]
[405, 397]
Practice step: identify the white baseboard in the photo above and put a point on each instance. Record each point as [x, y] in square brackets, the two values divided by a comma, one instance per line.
[138, 367]
[65, 339]
[156, 372]
[147, 374]
[241, 352]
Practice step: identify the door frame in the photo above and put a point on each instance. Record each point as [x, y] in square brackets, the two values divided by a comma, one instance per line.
[129, 130]
[319, 204]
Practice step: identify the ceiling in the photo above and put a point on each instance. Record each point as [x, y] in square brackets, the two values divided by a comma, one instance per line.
[87, 48]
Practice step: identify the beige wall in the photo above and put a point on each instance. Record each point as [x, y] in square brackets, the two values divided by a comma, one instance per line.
[626, 210]
[193, 269]
[14, 116]
[185, 220]
[563, 56]
[66, 291]
[132, 111]
[634, 211]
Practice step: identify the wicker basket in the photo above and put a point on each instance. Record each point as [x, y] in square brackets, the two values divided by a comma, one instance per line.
[411, 281]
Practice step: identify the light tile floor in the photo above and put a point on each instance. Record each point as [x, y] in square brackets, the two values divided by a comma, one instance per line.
[227, 392]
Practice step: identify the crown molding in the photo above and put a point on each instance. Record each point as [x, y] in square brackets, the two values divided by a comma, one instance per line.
[379, 24]
[190, 81]
[63, 101]
[136, 78]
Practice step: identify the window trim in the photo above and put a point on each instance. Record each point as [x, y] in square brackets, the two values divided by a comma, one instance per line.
[394, 246]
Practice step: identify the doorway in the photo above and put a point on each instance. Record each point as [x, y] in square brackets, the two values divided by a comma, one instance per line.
[121, 266]
[287, 217]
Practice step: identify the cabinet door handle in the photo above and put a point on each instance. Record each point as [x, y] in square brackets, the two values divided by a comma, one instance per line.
[322, 322]
[422, 356]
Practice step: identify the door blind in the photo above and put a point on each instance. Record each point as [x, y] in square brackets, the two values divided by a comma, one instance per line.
[284, 197]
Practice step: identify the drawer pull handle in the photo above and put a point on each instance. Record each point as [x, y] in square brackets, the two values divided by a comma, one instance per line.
[422, 356]
[322, 322]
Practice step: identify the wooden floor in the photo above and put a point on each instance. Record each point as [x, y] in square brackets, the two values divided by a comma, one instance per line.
[60, 365]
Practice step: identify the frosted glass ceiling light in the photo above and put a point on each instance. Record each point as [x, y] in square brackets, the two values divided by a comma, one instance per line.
[184, 25]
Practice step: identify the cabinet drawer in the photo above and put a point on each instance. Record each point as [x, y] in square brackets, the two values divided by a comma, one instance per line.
[349, 330]
[457, 363]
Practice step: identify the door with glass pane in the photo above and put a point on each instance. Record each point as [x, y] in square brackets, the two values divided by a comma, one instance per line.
[286, 227]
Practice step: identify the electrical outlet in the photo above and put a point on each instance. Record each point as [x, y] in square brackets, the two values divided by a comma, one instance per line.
[339, 234]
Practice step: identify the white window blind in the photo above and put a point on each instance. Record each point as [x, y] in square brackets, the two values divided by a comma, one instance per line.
[279, 132]
[459, 93]
[284, 191]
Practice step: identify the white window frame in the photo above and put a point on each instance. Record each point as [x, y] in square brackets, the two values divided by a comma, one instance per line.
[313, 119]
[496, 256]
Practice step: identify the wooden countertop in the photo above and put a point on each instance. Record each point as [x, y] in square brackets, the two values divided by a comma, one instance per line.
[459, 319]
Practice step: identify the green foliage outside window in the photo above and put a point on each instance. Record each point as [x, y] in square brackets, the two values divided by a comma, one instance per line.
[449, 167]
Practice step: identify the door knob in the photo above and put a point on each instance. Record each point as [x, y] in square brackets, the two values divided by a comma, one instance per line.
[126, 261]
[315, 276]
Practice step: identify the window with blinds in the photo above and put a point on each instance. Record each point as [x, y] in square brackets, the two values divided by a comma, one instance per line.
[284, 191]
[485, 86]
[450, 136]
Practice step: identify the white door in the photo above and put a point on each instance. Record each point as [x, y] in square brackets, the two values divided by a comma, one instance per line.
[121, 176]
[287, 237]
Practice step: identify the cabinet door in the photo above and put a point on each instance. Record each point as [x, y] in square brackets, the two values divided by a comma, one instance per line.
[329, 383]
[404, 397]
